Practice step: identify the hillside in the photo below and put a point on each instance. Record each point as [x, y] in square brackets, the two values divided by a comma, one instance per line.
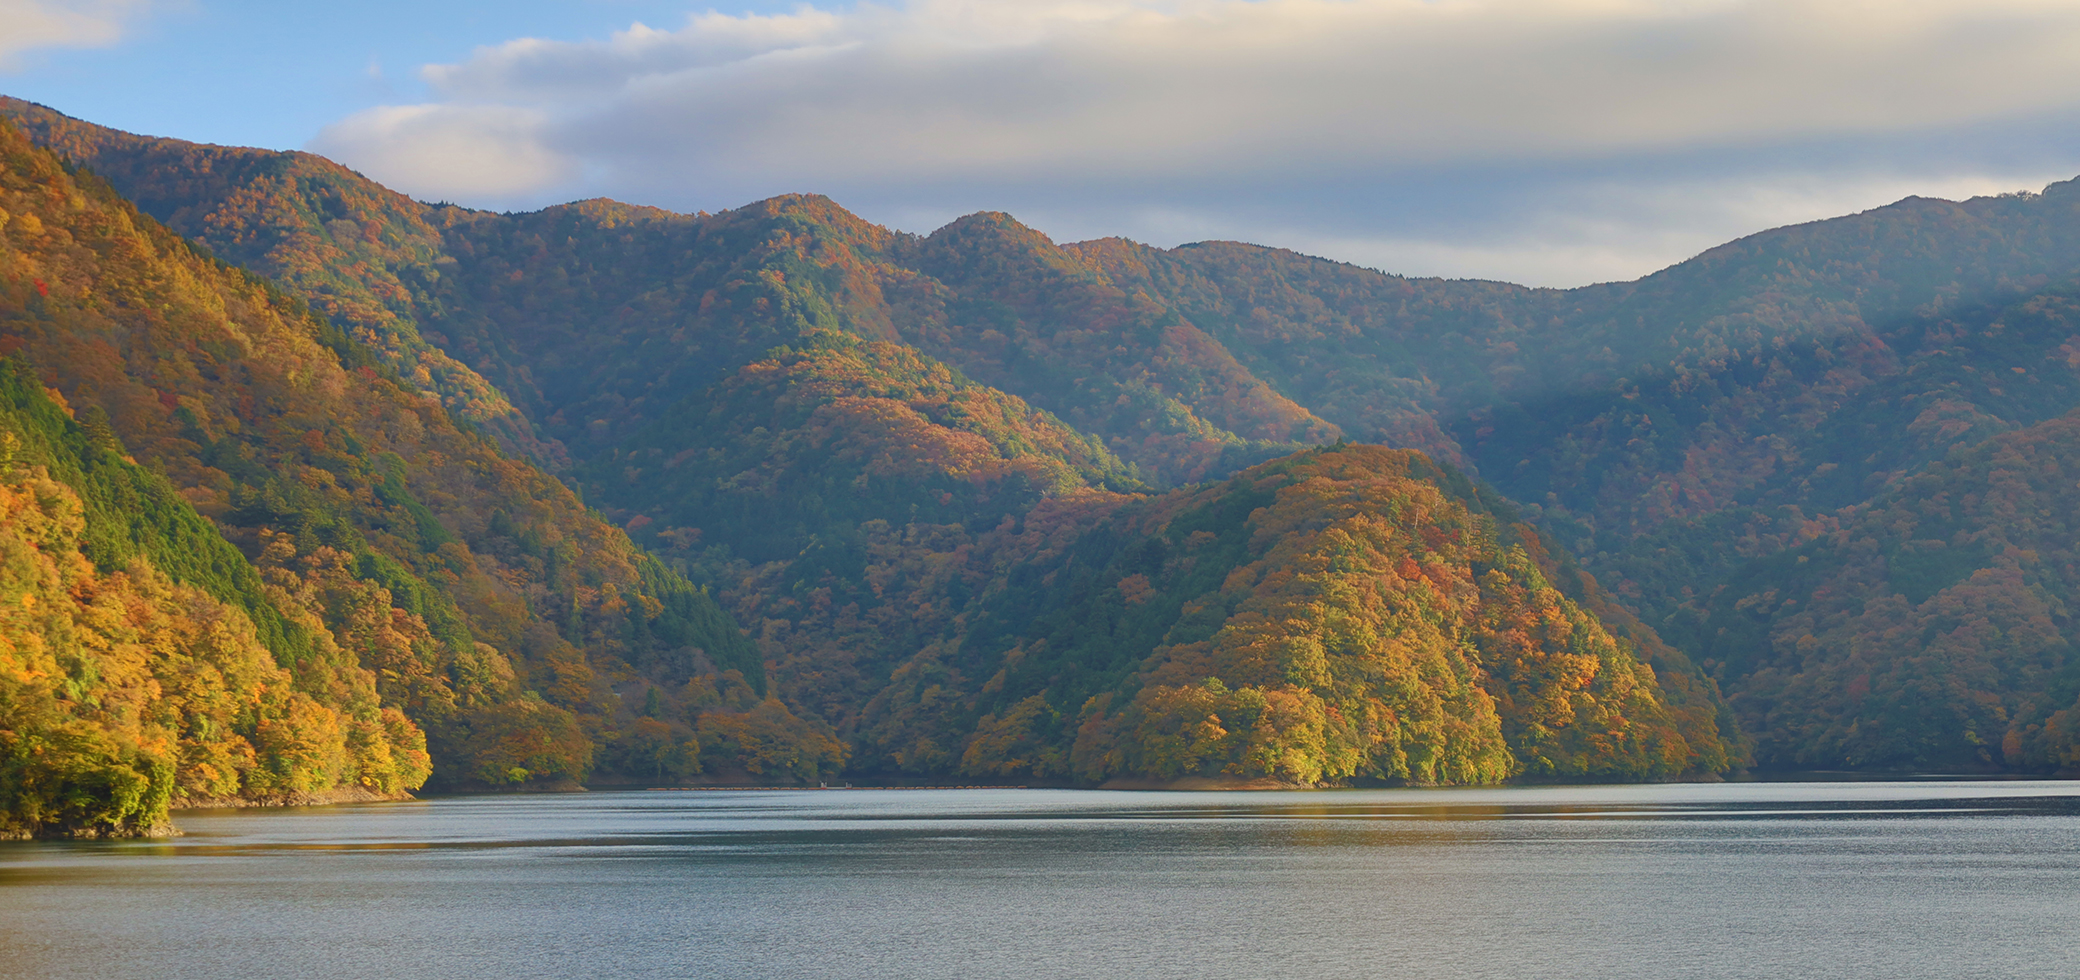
[532, 641]
[1344, 613]
[834, 433]
[144, 664]
[1352, 612]
[336, 239]
[1612, 408]
[1926, 629]
[597, 317]
[828, 422]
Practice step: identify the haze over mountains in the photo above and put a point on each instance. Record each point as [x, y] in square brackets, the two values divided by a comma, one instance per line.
[989, 506]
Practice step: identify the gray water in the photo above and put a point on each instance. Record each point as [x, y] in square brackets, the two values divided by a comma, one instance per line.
[1780, 880]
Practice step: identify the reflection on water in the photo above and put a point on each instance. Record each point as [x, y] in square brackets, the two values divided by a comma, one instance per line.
[1926, 879]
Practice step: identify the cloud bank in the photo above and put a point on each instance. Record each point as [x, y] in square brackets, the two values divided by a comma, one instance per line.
[1555, 140]
[27, 25]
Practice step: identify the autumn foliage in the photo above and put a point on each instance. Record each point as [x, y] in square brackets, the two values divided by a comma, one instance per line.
[988, 506]
[347, 509]
[1342, 613]
[124, 691]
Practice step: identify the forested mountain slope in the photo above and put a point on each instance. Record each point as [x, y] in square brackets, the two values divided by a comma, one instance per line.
[144, 663]
[1346, 612]
[1351, 612]
[1930, 628]
[340, 241]
[602, 317]
[597, 317]
[531, 640]
[823, 418]
[834, 432]
[1617, 407]
[1627, 404]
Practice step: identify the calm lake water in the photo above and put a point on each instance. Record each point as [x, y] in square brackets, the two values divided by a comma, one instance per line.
[1780, 880]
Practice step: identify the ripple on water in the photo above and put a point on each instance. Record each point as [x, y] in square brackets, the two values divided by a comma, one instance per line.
[1935, 879]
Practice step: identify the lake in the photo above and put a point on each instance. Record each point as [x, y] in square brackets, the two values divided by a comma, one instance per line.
[1937, 879]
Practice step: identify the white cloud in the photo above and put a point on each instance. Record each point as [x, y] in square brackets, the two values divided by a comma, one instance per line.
[33, 24]
[449, 151]
[1565, 235]
[1611, 231]
[891, 106]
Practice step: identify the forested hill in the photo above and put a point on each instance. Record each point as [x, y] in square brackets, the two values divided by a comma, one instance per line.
[1613, 408]
[531, 641]
[1346, 612]
[1931, 628]
[335, 238]
[144, 663]
[830, 423]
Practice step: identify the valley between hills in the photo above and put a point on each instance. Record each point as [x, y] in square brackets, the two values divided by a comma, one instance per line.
[310, 491]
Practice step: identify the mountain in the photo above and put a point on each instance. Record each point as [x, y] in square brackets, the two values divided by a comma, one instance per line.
[880, 451]
[836, 432]
[1925, 629]
[753, 409]
[595, 317]
[337, 240]
[352, 520]
[1345, 612]
[142, 659]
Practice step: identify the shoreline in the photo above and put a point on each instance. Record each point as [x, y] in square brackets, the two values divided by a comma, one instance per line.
[323, 797]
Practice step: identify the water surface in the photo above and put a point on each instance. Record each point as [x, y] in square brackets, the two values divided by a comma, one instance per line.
[1807, 880]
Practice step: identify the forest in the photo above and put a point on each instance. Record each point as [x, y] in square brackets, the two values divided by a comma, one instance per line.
[604, 494]
[360, 531]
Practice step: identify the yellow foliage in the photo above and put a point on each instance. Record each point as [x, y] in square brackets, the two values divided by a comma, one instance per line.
[768, 739]
[122, 693]
[1359, 640]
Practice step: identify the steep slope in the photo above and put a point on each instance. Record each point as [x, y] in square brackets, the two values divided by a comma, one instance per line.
[349, 246]
[132, 674]
[1614, 408]
[1927, 384]
[1040, 321]
[1727, 378]
[1373, 354]
[1670, 430]
[522, 632]
[1780, 388]
[1926, 629]
[600, 316]
[596, 317]
[1346, 613]
[818, 439]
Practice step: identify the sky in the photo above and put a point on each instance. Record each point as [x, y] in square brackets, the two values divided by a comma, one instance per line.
[1548, 142]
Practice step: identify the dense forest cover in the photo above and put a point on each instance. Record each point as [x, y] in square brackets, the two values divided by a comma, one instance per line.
[985, 505]
[1349, 612]
[337, 240]
[529, 639]
[830, 433]
[138, 663]
[1925, 629]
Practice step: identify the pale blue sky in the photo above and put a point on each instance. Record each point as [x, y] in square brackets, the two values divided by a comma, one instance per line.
[1553, 142]
[258, 73]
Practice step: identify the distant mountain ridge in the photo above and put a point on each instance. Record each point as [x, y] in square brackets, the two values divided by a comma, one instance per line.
[829, 422]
